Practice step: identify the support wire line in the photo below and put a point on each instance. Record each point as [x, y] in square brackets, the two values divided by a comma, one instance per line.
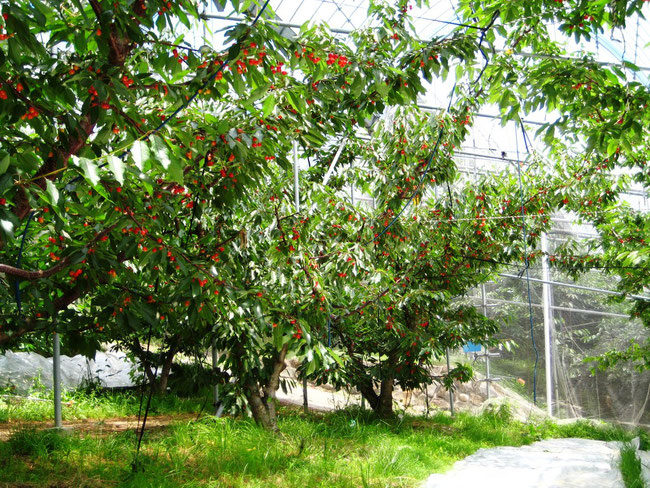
[526, 268]
[424, 175]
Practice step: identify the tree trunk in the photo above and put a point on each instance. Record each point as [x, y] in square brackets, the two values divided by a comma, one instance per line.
[382, 403]
[385, 399]
[262, 399]
[639, 415]
[165, 371]
[258, 408]
[368, 392]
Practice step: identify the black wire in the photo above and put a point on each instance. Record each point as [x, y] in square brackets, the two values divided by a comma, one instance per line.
[134, 465]
[480, 46]
[424, 174]
[527, 272]
[18, 261]
[451, 199]
[457, 24]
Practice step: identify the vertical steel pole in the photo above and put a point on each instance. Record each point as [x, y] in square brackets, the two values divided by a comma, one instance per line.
[330, 171]
[352, 187]
[487, 373]
[363, 400]
[296, 179]
[487, 352]
[548, 319]
[296, 195]
[56, 378]
[451, 390]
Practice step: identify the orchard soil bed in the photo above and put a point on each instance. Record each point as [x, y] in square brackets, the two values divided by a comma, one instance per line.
[95, 426]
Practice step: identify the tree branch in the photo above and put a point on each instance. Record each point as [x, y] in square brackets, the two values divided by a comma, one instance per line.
[46, 273]
[97, 9]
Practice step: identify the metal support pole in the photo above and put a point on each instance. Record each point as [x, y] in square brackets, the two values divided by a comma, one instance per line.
[548, 323]
[296, 177]
[487, 375]
[56, 379]
[330, 171]
[352, 187]
[484, 306]
[218, 408]
[296, 194]
[451, 390]
[305, 400]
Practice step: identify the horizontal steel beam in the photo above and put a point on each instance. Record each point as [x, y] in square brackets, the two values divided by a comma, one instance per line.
[292, 25]
[578, 287]
[555, 307]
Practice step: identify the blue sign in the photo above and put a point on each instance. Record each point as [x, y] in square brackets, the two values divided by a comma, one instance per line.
[471, 347]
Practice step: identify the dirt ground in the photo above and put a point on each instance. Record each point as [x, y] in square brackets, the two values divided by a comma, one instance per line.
[104, 426]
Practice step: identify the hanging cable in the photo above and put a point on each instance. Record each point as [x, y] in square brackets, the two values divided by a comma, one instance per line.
[526, 268]
[424, 174]
[134, 464]
[418, 188]
[18, 262]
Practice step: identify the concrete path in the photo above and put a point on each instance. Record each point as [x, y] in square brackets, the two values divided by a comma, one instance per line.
[554, 463]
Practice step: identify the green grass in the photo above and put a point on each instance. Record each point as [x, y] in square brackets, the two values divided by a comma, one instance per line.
[631, 467]
[341, 449]
[94, 404]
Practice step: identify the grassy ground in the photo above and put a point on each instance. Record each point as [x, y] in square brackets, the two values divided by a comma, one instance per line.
[93, 404]
[631, 468]
[339, 449]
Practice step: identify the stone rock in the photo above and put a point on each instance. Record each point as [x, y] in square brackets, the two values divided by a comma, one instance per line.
[518, 409]
[477, 400]
[442, 393]
[463, 397]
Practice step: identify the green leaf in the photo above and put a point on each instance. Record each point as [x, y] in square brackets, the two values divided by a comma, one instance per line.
[296, 102]
[116, 166]
[89, 168]
[53, 191]
[175, 171]
[631, 66]
[4, 164]
[139, 153]
[336, 357]
[612, 146]
[267, 107]
[7, 226]
[160, 150]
